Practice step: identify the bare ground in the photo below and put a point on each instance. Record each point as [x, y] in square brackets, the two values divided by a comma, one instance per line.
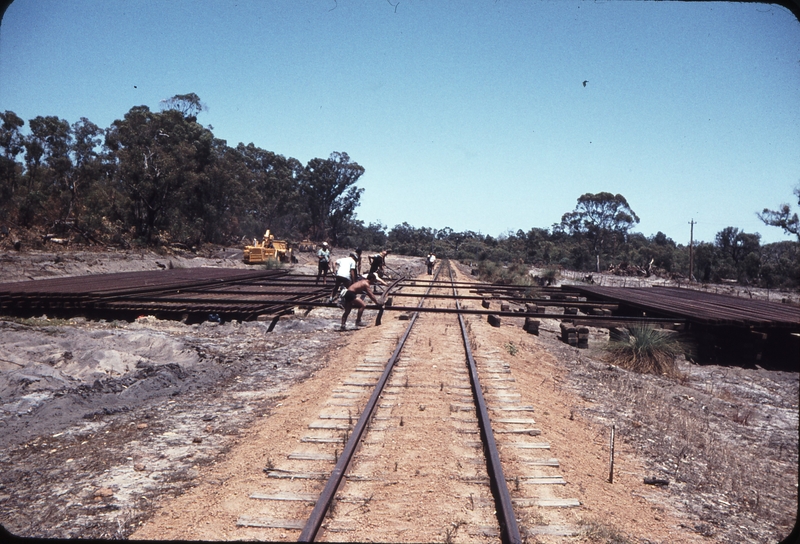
[105, 423]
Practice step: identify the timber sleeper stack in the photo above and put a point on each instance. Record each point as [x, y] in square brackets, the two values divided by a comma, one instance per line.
[575, 336]
[531, 326]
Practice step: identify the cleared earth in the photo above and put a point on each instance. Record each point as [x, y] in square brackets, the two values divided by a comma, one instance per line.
[108, 426]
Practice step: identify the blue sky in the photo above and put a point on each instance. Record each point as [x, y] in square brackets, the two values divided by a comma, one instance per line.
[471, 115]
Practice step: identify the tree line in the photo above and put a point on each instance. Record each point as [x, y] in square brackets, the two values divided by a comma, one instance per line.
[161, 178]
[733, 255]
[596, 236]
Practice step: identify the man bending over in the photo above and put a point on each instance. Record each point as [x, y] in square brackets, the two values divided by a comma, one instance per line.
[351, 299]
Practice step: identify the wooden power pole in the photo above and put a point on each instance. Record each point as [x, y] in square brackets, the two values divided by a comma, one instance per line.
[691, 250]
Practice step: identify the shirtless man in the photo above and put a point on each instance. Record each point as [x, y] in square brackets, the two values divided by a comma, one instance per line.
[377, 262]
[351, 298]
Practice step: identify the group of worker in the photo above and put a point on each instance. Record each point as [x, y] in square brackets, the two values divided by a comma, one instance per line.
[349, 285]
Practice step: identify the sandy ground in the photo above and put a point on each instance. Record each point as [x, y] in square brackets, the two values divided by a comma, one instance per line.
[421, 447]
[161, 430]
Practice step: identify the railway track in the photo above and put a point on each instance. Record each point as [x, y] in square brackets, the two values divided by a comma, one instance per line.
[406, 449]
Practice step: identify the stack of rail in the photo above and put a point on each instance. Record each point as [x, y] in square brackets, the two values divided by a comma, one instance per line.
[175, 293]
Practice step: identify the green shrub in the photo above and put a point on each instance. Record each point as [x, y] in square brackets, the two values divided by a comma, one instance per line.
[647, 350]
[550, 275]
[272, 264]
[512, 274]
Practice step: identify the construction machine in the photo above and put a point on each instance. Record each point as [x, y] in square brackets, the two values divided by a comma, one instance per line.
[268, 248]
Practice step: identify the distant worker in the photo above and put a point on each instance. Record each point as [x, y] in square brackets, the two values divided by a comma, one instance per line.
[344, 273]
[358, 261]
[324, 257]
[377, 262]
[351, 299]
[430, 260]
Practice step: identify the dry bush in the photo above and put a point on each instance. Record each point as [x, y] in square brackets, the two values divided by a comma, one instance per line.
[647, 350]
[722, 467]
[602, 533]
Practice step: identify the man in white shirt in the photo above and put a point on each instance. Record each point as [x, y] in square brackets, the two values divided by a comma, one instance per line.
[430, 261]
[344, 271]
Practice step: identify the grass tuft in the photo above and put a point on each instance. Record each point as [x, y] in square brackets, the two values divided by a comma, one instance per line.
[647, 350]
[511, 348]
[598, 532]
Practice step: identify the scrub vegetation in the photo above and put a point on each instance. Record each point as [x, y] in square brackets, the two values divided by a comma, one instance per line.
[647, 350]
[160, 179]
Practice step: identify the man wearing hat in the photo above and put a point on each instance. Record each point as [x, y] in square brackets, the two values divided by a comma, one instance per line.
[324, 257]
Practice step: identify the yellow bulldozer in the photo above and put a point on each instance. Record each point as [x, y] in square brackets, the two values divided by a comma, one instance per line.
[268, 248]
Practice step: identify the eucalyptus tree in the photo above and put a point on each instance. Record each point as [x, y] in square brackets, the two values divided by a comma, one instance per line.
[87, 167]
[154, 155]
[188, 105]
[367, 237]
[331, 197]
[739, 254]
[538, 246]
[603, 219]
[212, 202]
[783, 217]
[54, 138]
[48, 165]
[272, 183]
[12, 143]
[408, 240]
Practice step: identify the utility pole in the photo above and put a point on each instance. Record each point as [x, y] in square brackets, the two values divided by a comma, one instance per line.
[691, 250]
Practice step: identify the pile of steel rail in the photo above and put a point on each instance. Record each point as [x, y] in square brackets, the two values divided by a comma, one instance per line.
[250, 294]
[196, 293]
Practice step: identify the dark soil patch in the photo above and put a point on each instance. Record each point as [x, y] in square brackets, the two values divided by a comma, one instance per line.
[90, 457]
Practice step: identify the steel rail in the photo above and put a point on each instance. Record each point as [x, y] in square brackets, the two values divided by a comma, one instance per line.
[700, 307]
[323, 504]
[255, 305]
[224, 290]
[312, 303]
[123, 283]
[524, 300]
[509, 530]
[386, 294]
[214, 298]
[155, 290]
[279, 311]
[566, 317]
[478, 286]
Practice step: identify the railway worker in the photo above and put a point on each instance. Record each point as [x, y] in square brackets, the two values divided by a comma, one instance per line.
[351, 299]
[377, 262]
[430, 260]
[324, 258]
[344, 273]
[358, 261]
